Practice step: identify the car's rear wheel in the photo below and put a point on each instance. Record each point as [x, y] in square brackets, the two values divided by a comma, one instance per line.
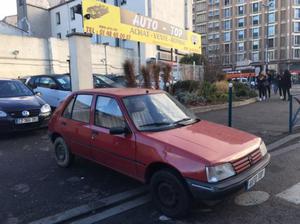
[170, 194]
[63, 155]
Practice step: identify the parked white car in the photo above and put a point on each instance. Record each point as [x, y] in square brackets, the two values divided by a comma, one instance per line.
[53, 88]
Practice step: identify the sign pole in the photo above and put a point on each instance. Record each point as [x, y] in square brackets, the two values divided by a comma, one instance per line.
[139, 56]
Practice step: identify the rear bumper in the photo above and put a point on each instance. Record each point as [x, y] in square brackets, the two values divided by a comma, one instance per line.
[209, 191]
[8, 125]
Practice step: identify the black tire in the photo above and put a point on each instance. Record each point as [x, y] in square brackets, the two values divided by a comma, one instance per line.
[170, 194]
[63, 156]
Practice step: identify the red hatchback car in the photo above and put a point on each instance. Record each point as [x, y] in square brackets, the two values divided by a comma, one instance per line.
[150, 136]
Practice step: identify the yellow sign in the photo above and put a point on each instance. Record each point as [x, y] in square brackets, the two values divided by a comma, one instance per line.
[108, 20]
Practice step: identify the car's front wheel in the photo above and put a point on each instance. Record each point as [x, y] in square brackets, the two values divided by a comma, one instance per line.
[170, 194]
[63, 155]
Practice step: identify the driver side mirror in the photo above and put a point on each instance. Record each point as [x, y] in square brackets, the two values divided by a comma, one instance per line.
[119, 131]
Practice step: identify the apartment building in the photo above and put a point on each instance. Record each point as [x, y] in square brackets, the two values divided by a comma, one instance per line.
[245, 34]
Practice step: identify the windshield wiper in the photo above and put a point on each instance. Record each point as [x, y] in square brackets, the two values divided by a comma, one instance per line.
[155, 124]
[181, 122]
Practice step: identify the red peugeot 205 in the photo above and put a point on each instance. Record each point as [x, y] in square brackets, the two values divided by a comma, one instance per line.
[149, 136]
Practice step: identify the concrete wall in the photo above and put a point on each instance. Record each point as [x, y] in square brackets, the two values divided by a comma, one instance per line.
[22, 56]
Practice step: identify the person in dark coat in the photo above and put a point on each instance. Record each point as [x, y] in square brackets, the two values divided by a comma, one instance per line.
[267, 84]
[275, 83]
[280, 85]
[261, 86]
[287, 84]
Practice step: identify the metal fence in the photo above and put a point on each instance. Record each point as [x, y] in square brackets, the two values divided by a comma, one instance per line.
[188, 72]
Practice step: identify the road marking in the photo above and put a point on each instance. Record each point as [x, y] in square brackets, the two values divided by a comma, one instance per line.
[291, 194]
[282, 141]
[114, 211]
[250, 198]
[84, 209]
[285, 150]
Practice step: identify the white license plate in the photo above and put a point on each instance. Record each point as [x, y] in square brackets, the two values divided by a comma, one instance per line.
[26, 120]
[253, 180]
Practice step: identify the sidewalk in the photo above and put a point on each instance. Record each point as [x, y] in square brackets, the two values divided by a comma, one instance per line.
[268, 119]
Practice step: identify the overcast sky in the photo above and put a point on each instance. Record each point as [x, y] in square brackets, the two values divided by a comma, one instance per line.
[7, 7]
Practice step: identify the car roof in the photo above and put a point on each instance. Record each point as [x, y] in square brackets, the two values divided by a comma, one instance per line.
[6, 79]
[121, 92]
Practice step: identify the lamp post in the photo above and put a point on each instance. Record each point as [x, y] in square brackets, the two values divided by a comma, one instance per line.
[105, 55]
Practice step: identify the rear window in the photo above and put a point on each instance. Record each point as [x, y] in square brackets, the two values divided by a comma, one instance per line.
[82, 108]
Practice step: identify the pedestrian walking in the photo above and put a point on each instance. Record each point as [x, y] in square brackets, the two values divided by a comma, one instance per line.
[267, 84]
[261, 86]
[287, 84]
[275, 83]
[280, 85]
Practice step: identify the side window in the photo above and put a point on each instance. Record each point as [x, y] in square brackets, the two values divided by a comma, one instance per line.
[68, 110]
[108, 113]
[31, 83]
[82, 108]
[47, 82]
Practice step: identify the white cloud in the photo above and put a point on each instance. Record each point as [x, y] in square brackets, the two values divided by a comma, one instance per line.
[7, 8]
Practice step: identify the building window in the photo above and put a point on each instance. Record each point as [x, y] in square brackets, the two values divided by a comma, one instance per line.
[255, 7]
[271, 17]
[227, 2]
[271, 30]
[227, 36]
[227, 48]
[227, 12]
[297, 27]
[297, 13]
[241, 22]
[240, 57]
[59, 35]
[255, 45]
[72, 13]
[57, 18]
[255, 56]
[296, 53]
[296, 40]
[271, 43]
[255, 20]
[227, 25]
[297, 2]
[73, 30]
[21, 2]
[240, 34]
[240, 10]
[241, 47]
[255, 33]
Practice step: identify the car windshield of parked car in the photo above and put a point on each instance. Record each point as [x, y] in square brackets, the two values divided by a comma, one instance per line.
[155, 112]
[13, 89]
[65, 82]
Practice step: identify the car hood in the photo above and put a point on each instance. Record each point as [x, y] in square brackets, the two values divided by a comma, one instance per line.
[211, 142]
[11, 104]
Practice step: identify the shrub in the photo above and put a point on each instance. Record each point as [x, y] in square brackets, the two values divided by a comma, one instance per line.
[128, 68]
[208, 91]
[241, 90]
[222, 86]
[186, 86]
[145, 70]
[190, 98]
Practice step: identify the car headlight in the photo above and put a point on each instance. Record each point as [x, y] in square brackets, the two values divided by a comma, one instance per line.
[46, 109]
[263, 149]
[220, 172]
[3, 114]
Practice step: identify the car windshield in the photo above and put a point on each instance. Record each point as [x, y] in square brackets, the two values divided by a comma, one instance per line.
[65, 82]
[156, 112]
[11, 88]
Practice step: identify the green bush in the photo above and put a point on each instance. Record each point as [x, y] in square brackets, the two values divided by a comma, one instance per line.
[186, 86]
[190, 98]
[241, 90]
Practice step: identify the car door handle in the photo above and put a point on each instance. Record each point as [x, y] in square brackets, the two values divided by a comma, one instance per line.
[94, 134]
[63, 123]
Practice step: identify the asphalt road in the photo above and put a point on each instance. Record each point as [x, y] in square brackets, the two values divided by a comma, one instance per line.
[33, 186]
[282, 174]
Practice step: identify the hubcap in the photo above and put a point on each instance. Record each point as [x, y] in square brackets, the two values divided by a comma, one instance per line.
[167, 194]
[60, 152]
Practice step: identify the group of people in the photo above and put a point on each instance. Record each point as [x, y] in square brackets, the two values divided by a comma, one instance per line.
[281, 82]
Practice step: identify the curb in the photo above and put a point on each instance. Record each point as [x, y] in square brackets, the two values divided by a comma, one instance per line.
[202, 109]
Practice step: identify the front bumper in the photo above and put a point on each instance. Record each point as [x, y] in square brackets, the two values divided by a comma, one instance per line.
[8, 125]
[213, 191]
